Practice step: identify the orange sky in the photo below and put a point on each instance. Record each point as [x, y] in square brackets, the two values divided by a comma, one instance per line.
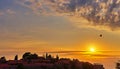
[23, 28]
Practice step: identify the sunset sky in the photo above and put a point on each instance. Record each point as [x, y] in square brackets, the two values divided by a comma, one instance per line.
[66, 27]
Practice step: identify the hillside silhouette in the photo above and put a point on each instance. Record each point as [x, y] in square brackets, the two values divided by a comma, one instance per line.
[33, 61]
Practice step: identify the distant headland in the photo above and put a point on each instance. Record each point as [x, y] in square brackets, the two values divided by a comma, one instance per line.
[33, 61]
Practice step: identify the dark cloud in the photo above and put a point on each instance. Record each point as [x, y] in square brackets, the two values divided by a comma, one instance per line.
[97, 12]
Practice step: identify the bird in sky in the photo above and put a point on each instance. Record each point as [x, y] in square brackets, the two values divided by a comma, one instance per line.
[101, 35]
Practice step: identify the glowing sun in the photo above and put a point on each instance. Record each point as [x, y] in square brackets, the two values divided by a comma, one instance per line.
[92, 49]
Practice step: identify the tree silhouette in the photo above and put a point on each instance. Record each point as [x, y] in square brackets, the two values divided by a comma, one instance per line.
[3, 60]
[34, 56]
[28, 56]
[16, 57]
[46, 55]
[57, 57]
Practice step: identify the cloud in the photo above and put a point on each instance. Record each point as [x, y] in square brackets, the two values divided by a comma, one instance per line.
[7, 7]
[9, 11]
[96, 12]
[98, 54]
[34, 5]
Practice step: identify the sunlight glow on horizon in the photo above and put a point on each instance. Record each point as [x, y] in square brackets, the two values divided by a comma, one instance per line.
[92, 49]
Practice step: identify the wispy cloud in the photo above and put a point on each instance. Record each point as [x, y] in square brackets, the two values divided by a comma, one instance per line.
[9, 11]
[98, 54]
